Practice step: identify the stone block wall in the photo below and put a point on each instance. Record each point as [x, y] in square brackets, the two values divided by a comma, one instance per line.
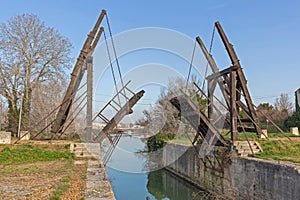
[5, 137]
[294, 130]
[237, 178]
[25, 135]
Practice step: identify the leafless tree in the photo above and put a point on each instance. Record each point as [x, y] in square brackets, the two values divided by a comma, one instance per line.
[45, 98]
[3, 114]
[277, 113]
[31, 54]
[164, 116]
[283, 104]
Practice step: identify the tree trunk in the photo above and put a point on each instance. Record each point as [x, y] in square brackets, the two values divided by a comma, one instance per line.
[26, 103]
[13, 116]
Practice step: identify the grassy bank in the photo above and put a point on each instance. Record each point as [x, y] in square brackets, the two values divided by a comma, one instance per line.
[18, 154]
[280, 150]
[252, 136]
[186, 139]
[43, 171]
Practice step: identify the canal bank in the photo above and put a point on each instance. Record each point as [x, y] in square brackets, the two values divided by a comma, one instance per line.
[97, 183]
[235, 178]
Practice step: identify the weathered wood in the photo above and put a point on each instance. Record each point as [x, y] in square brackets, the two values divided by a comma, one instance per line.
[210, 97]
[77, 74]
[214, 68]
[222, 73]
[197, 120]
[233, 111]
[125, 110]
[242, 85]
[247, 129]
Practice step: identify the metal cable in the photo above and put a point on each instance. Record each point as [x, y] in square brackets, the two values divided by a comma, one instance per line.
[190, 68]
[210, 48]
[115, 52]
[111, 65]
[52, 112]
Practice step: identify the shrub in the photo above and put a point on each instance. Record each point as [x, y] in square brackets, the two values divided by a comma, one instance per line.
[293, 121]
[157, 141]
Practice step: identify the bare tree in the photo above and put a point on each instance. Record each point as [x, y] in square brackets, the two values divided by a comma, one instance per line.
[30, 54]
[45, 98]
[3, 114]
[283, 104]
[164, 116]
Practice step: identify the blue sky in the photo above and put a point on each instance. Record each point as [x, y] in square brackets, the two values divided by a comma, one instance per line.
[265, 33]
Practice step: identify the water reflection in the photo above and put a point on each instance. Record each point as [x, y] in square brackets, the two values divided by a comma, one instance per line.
[158, 185]
[164, 185]
[128, 186]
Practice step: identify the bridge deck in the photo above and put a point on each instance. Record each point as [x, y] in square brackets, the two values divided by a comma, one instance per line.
[198, 120]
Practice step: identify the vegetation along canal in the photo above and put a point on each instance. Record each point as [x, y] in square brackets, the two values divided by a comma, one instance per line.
[130, 180]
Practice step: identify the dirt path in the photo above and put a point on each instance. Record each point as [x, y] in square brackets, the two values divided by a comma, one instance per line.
[78, 182]
[285, 138]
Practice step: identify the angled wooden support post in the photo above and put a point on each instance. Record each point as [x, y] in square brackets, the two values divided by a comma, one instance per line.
[211, 86]
[233, 110]
[215, 69]
[77, 74]
[242, 84]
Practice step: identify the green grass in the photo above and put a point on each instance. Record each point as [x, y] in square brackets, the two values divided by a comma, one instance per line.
[280, 135]
[183, 139]
[280, 150]
[253, 136]
[27, 154]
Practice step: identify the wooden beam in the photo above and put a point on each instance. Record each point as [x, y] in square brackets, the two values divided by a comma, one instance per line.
[197, 119]
[125, 110]
[77, 74]
[222, 73]
[214, 68]
[233, 111]
[240, 75]
[210, 97]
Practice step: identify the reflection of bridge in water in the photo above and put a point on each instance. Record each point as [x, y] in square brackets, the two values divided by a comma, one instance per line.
[137, 132]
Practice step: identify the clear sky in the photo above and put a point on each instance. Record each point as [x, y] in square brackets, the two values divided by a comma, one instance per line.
[265, 33]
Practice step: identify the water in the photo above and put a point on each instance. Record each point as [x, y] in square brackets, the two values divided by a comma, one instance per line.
[130, 180]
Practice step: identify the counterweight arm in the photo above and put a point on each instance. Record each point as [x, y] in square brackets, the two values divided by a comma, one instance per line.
[77, 74]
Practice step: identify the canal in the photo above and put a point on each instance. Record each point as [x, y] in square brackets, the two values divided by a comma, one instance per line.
[131, 180]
